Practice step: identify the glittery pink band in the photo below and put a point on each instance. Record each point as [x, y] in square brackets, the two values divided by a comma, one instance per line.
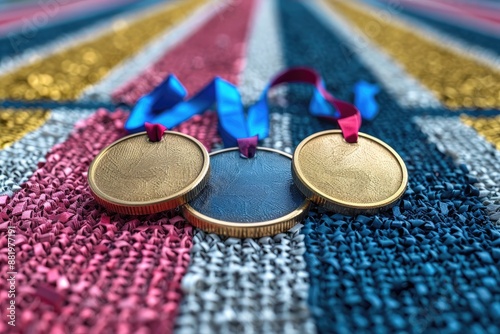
[216, 49]
[82, 268]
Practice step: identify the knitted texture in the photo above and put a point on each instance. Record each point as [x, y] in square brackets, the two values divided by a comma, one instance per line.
[20, 160]
[459, 141]
[250, 285]
[17, 123]
[81, 267]
[428, 265]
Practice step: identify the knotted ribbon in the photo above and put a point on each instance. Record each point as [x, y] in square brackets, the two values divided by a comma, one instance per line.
[167, 105]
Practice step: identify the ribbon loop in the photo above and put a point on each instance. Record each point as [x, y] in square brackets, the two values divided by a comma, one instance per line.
[155, 131]
[346, 114]
[248, 146]
[165, 96]
[166, 105]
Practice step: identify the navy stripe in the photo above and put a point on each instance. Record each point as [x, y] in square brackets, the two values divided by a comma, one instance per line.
[426, 265]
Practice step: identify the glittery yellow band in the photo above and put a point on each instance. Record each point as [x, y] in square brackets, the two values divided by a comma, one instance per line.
[64, 75]
[488, 127]
[16, 123]
[457, 80]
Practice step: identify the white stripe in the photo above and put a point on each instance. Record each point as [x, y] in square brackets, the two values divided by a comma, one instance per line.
[466, 146]
[227, 287]
[264, 54]
[407, 91]
[280, 133]
[151, 53]
[19, 161]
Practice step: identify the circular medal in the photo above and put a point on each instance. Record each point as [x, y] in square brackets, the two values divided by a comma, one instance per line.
[363, 177]
[248, 198]
[136, 176]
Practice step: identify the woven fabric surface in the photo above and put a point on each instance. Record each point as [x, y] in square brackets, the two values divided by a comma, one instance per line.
[437, 244]
[20, 160]
[232, 284]
[430, 264]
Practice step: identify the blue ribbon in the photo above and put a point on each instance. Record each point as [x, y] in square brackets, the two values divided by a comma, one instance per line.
[364, 99]
[166, 105]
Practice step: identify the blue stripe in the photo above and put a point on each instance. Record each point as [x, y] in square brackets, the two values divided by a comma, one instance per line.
[427, 264]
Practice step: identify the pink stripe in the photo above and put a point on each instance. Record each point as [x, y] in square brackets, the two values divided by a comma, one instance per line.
[464, 14]
[216, 49]
[488, 14]
[82, 268]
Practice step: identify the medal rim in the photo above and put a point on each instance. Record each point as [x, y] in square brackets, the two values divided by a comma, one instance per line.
[322, 199]
[252, 229]
[179, 198]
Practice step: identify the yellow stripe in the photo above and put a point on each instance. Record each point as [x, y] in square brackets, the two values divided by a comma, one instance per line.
[65, 75]
[458, 81]
[488, 127]
[14, 124]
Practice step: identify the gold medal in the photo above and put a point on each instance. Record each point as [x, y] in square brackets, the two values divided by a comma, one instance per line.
[248, 198]
[363, 177]
[136, 176]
